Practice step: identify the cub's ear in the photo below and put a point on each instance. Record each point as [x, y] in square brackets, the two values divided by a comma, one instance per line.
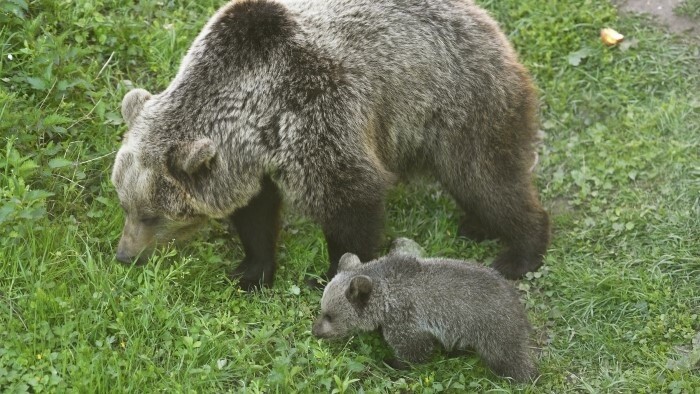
[192, 156]
[359, 290]
[406, 246]
[133, 103]
[349, 262]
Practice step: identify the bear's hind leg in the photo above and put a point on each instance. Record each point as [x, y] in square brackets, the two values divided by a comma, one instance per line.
[499, 201]
[257, 225]
[470, 227]
[512, 214]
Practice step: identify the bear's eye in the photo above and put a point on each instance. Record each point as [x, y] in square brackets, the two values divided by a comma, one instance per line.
[150, 220]
[328, 318]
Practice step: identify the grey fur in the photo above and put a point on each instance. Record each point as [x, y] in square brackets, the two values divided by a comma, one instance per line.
[460, 304]
[407, 246]
[133, 103]
[335, 100]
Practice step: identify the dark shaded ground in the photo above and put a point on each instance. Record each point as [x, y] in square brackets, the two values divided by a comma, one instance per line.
[662, 10]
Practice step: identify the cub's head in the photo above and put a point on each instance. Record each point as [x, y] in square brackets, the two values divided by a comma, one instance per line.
[148, 176]
[349, 302]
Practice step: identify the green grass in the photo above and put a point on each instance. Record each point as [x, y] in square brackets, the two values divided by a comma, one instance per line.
[615, 308]
[690, 8]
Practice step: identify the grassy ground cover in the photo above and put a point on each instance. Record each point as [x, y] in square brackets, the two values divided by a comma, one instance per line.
[690, 8]
[615, 308]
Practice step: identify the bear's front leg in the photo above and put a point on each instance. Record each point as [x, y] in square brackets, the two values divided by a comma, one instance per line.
[410, 345]
[258, 225]
[354, 228]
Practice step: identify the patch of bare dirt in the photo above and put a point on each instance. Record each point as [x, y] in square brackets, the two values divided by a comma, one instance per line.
[662, 10]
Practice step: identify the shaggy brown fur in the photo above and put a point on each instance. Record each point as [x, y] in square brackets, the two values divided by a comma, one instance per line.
[325, 104]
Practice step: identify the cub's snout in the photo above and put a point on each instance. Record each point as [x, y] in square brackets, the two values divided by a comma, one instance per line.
[319, 330]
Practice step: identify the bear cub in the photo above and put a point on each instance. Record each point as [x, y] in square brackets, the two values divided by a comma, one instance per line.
[474, 308]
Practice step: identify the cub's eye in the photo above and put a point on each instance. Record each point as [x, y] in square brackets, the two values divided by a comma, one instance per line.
[150, 220]
[328, 318]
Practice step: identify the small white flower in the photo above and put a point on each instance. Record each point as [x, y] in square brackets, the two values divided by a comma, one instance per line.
[9, 56]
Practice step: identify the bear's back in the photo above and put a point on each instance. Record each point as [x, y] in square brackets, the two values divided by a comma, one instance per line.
[415, 64]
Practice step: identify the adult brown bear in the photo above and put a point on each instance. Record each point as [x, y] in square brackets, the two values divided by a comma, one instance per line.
[325, 104]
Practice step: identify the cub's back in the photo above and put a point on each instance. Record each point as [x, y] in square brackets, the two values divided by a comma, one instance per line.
[462, 302]
[469, 286]
[450, 294]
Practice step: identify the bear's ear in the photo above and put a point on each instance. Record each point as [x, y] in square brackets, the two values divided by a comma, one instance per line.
[193, 156]
[359, 290]
[406, 246]
[133, 103]
[349, 262]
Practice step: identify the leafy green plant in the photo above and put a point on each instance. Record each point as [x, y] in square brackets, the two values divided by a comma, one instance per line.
[21, 208]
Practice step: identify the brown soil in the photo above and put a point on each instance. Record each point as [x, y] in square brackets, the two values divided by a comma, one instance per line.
[662, 10]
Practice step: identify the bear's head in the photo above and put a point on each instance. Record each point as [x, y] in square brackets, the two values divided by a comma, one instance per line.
[154, 180]
[350, 302]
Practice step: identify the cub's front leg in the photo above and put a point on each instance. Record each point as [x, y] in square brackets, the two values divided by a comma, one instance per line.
[410, 345]
[257, 225]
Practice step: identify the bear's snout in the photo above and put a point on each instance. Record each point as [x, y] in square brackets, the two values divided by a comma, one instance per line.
[126, 258]
[123, 257]
[136, 243]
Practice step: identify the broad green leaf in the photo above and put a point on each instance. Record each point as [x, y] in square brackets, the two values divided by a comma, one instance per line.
[59, 162]
[37, 83]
